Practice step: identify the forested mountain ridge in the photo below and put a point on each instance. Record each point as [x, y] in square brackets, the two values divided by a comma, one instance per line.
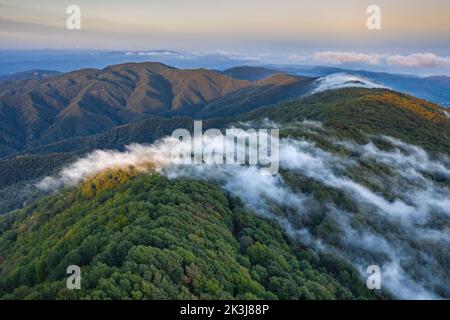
[90, 101]
[364, 179]
[250, 73]
[353, 113]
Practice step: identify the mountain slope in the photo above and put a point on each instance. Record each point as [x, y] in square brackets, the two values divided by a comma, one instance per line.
[433, 88]
[250, 73]
[274, 89]
[357, 114]
[150, 238]
[90, 101]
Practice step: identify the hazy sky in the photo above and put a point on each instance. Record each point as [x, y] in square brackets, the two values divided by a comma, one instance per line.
[293, 28]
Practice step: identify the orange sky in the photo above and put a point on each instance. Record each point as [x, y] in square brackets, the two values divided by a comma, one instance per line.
[217, 24]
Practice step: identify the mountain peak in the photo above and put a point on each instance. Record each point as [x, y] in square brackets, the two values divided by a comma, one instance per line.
[91, 101]
[249, 73]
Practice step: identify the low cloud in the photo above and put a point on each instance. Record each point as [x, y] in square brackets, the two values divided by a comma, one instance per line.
[140, 157]
[344, 80]
[413, 202]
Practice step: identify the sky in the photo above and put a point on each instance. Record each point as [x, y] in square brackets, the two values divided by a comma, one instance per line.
[413, 32]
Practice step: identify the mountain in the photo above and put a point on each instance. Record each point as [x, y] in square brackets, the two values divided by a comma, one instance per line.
[216, 235]
[165, 240]
[250, 73]
[363, 179]
[276, 88]
[351, 113]
[29, 75]
[90, 101]
[46, 108]
[440, 80]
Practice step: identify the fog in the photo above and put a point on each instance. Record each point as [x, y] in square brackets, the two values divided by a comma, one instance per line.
[401, 215]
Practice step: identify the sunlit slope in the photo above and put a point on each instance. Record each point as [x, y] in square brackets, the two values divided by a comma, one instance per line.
[356, 114]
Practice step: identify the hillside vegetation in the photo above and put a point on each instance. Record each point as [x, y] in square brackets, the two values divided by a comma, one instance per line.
[35, 112]
[358, 114]
[146, 237]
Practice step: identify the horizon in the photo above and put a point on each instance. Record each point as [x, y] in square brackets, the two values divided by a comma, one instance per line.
[412, 38]
[66, 60]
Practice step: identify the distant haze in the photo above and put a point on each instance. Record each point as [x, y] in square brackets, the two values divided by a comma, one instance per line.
[414, 37]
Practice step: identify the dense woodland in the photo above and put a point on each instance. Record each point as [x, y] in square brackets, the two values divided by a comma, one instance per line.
[138, 237]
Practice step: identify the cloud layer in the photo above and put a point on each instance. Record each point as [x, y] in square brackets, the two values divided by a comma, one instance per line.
[335, 57]
[398, 219]
[419, 60]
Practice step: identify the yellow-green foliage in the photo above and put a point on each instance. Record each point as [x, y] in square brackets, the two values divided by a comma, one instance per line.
[106, 180]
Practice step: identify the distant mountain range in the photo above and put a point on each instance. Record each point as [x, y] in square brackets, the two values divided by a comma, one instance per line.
[41, 107]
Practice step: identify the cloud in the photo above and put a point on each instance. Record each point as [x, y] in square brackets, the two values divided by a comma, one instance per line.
[337, 57]
[298, 58]
[419, 60]
[413, 222]
[323, 166]
[344, 80]
[447, 114]
[393, 275]
[141, 157]
[404, 233]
